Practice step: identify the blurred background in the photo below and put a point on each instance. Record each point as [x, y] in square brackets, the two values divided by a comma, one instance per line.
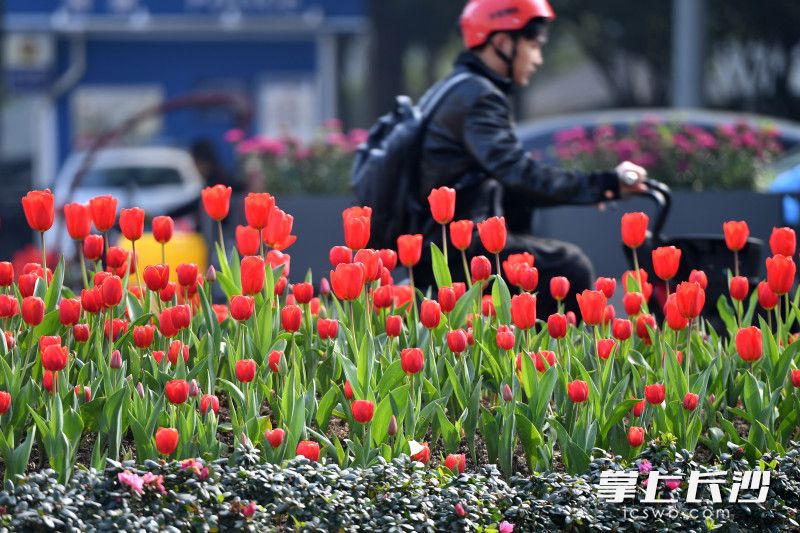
[151, 100]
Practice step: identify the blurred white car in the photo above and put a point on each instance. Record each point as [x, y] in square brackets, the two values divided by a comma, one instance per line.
[160, 180]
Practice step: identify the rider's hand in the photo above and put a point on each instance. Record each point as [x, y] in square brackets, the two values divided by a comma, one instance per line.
[631, 178]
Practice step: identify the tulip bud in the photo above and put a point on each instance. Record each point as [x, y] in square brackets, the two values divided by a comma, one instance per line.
[194, 389]
[690, 401]
[116, 360]
[392, 429]
[211, 274]
[507, 394]
[140, 389]
[460, 510]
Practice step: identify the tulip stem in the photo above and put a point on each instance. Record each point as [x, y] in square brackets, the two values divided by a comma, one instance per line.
[444, 246]
[736, 262]
[467, 277]
[638, 272]
[131, 267]
[105, 247]
[413, 296]
[83, 267]
[222, 239]
[44, 261]
[163, 254]
[497, 262]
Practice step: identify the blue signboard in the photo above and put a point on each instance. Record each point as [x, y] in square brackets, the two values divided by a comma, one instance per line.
[89, 8]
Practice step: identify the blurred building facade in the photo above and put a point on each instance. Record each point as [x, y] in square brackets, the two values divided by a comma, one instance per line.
[74, 69]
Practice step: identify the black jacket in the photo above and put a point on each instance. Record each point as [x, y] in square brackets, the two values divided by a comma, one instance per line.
[471, 142]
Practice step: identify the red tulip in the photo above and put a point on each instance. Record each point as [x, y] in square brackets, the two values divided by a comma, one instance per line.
[275, 437]
[480, 268]
[492, 233]
[248, 240]
[461, 234]
[666, 261]
[557, 325]
[505, 337]
[675, 319]
[780, 273]
[177, 348]
[156, 277]
[383, 297]
[5, 402]
[394, 325]
[796, 378]
[104, 212]
[79, 220]
[766, 298]
[209, 401]
[116, 328]
[131, 222]
[578, 391]
[163, 227]
[456, 462]
[621, 329]
[356, 229]
[527, 277]
[424, 455]
[630, 283]
[81, 332]
[606, 286]
[409, 249]
[48, 381]
[430, 313]
[782, 241]
[736, 234]
[32, 310]
[291, 318]
[542, 357]
[690, 298]
[303, 292]
[654, 394]
[216, 201]
[443, 204]
[143, 335]
[699, 277]
[638, 408]
[642, 322]
[739, 287]
[112, 291]
[447, 299]
[275, 360]
[690, 401]
[252, 274]
[69, 311]
[632, 302]
[605, 347]
[457, 341]
[278, 232]
[362, 411]
[93, 247]
[166, 440]
[308, 449]
[412, 360]
[523, 310]
[559, 287]
[9, 306]
[92, 300]
[257, 209]
[39, 210]
[55, 358]
[592, 305]
[748, 344]
[242, 307]
[177, 391]
[6, 273]
[348, 280]
[245, 370]
[371, 260]
[634, 229]
[635, 436]
[327, 328]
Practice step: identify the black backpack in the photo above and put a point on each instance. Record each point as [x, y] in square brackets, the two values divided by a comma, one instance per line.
[385, 173]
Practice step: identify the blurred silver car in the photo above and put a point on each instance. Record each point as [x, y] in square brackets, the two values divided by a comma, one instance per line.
[160, 180]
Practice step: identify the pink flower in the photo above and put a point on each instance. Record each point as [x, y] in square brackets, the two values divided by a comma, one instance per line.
[505, 527]
[333, 124]
[249, 510]
[645, 467]
[270, 146]
[234, 135]
[357, 136]
[132, 480]
[154, 482]
[569, 135]
[673, 484]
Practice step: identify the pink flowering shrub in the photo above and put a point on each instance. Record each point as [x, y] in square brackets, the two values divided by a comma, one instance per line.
[286, 164]
[683, 156]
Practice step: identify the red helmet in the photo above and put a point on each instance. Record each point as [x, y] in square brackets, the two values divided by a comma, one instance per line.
[482, 17]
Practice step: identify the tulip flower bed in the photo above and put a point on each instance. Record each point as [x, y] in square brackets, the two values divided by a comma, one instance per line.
[136, 367]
